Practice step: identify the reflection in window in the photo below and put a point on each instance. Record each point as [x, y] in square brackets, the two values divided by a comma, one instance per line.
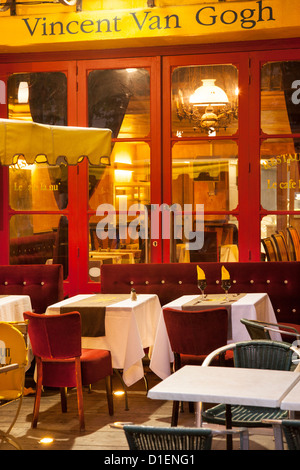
[120, 100]
[39, 239]
[113, 192]
[280, 178]
[38, 186]
[280, 237]
[280, 98]
[206, 173]
[39, 97]
[127, 180]
[205, 100]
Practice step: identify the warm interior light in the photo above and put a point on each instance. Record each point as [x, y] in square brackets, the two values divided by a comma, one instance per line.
[119, 393]
[209, 94]
[46, 440]
[23, 92]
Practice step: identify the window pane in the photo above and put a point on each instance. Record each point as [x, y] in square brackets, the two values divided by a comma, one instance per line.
[39, 239]
[280, 179]
[120, 100]
[127, 180]
[38, 186]
[280, 97]
[116, 241]
[206, 173]
[39, 97]
[209, 110]
[118, 189]
[274, 226]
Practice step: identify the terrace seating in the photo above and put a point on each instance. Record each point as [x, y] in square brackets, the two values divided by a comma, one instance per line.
[43, 283]
[280, 280]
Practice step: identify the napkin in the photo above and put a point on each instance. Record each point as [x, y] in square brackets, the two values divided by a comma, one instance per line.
[200, 274]
[225, 274]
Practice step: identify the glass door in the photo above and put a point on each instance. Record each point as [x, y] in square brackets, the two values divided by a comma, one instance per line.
[205, 158]
[122, 95]
[39, 209]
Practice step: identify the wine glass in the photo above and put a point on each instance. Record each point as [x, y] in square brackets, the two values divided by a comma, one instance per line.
[202, 285]
[226, 284]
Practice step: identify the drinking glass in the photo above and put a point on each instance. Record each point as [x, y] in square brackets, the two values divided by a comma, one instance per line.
[202, 285]
[226, 284]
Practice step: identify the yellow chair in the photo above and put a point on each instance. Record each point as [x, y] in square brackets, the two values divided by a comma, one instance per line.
[13, 361]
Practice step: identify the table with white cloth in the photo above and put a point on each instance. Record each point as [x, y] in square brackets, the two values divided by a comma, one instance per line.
[12, 308]
[250, 306]
[130, 327]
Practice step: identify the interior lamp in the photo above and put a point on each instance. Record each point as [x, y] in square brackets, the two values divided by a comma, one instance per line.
[209, 94]
[23, 92]
[209, 107]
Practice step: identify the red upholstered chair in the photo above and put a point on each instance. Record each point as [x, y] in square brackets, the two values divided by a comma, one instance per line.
[193, 335]
[62, 363]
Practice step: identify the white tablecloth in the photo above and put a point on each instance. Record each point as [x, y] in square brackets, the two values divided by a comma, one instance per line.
[130, 326]
[250, 306]
[12, 308]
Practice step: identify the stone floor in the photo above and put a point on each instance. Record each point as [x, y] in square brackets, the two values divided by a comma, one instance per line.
[100, 434]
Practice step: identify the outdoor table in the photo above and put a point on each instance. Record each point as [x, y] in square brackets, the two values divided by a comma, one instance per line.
[228, 385]
[130, 327]
[251, 306]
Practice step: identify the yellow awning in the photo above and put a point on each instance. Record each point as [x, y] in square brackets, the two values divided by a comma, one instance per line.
[42, 142]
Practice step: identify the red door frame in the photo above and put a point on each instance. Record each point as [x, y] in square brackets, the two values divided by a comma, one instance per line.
[154, 139]
[256, 137]
[69, 69]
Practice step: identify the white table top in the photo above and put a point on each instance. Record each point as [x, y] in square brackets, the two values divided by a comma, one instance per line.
[130, 326]
[12, 307]
[292, 399]
[229, 385]
[251, 306]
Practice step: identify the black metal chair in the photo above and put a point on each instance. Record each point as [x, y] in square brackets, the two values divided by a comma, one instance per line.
[259, 354]
[154, 438]
[262, 330]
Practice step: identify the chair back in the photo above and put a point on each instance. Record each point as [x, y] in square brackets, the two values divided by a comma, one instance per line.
[151, 438]
[196, 332]
[12, 351]
[291, 430]
[281, 246]
[55, 336]
[294, 243]
[270, 249]
[262, 354]
[255, 329]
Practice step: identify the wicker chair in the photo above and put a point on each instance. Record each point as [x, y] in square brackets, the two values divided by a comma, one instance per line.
[294, 242]
[257, 354]
[262, 330]
[153, 438]
[270, 249]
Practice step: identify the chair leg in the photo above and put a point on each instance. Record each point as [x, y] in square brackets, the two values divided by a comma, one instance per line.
[63, 399]
[38, 393]
[108, 382]
[79, 393]
[175, 410]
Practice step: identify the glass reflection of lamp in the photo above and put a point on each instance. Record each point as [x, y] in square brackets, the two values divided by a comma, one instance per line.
[218, 112]
[23, 93]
